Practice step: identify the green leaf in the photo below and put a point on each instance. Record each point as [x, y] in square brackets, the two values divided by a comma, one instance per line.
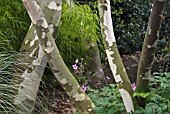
[110, 110]
[99, 110]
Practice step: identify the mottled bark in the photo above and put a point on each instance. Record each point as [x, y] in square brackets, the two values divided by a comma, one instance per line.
[60, 70]
[148, 51]
[115, 62]
[32, 71]
[70, 3]
[94, 72]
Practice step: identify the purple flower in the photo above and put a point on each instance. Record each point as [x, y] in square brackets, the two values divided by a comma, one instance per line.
[83, 88]
[75, 67]
[133, 86]
[107, 78]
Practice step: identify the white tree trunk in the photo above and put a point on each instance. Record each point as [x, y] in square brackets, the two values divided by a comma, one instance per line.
[115, 62]
[31, 75]
[60, 70]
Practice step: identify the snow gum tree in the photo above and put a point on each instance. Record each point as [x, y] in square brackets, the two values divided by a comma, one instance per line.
[115, 62]
[44, 32]
[32, 71]
[149, 46]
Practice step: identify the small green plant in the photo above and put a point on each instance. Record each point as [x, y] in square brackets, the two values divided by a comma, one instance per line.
[141, 94]
[160, 84]
[158, 100]
[107, 100]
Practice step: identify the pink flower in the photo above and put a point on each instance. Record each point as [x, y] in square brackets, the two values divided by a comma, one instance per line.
[107, 78]
[84, 88]
[133, 86]
[75, 67]
[100, 69]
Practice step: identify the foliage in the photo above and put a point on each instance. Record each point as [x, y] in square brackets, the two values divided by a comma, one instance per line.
[130, 19]
[13, 25]
[141, 94]
[161, 84]
[164, 40]
[7, 89]
[78, 29]
[159, 98]
[107, 100]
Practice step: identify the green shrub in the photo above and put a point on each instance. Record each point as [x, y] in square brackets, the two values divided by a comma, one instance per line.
[78, 29]
[13, 25]
[130, 20]
[164, 40]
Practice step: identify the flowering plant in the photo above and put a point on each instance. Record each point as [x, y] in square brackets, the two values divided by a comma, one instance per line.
[133, 86]
[79, 68]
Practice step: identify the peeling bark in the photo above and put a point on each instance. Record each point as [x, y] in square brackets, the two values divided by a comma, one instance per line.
[70, 3]
[94, 72]
[60, 70]
[148, 51]
[115, 62]
[32, 72]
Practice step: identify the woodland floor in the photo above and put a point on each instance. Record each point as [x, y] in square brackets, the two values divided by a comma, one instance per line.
[59, 103]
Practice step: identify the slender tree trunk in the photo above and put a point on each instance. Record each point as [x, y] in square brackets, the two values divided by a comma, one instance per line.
[60, 70]
[35, 63]
[148, 51]
[94, 72]
[114, 59]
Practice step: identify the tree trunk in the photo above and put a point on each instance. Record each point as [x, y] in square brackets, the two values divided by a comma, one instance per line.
[94, 72]
[114, 59]
[148, 51]
[35, 62]
[60, 70]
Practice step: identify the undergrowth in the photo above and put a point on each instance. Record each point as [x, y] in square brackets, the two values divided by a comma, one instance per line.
[11, 69]
[108, 99]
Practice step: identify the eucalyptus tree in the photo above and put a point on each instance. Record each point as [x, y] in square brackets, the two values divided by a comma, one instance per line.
[149, 46]
[35, 62]
[115, 62]
[144, 70]
[46, 41]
